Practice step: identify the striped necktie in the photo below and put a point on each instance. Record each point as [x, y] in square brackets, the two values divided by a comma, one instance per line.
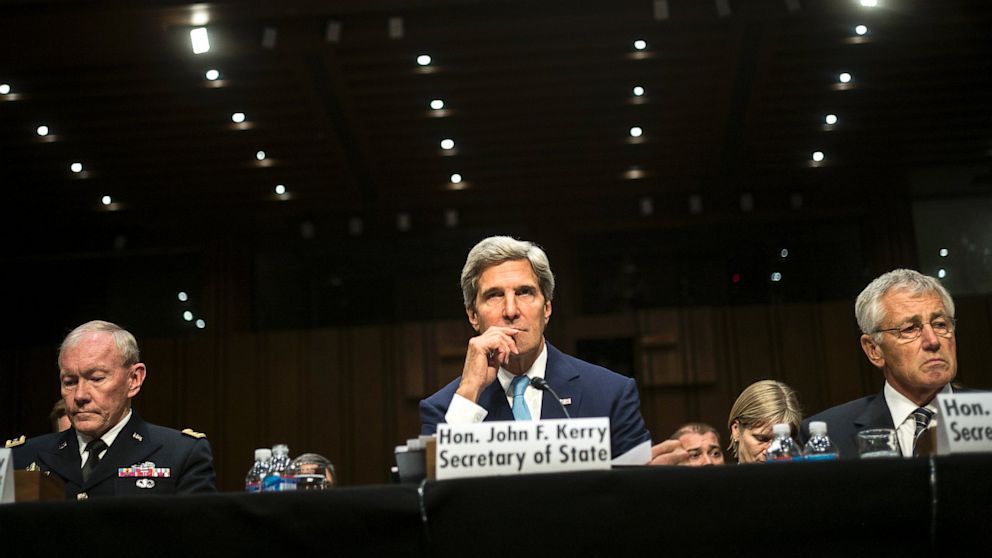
[520, 410]
[922, 417]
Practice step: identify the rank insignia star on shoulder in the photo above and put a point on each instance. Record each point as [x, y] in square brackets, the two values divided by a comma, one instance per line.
[14, 442]
[193, 433]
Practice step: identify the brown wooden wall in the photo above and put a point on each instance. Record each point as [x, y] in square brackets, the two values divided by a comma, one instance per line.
[352, 394]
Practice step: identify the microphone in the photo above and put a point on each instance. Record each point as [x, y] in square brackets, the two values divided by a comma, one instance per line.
[543, 385]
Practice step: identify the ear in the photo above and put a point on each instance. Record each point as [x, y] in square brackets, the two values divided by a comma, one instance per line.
[473, 317]
[735, 431]
[873, 351]
[547, 311]
[136, 377]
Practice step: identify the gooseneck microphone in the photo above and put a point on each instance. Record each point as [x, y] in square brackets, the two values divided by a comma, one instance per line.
[543, 385]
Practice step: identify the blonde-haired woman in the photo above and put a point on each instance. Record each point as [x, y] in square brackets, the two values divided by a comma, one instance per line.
[760, 406]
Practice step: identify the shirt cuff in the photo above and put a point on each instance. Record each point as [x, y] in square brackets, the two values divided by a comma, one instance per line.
[463, 411]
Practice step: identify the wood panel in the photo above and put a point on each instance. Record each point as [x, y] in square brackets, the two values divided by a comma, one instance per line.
[352, 394]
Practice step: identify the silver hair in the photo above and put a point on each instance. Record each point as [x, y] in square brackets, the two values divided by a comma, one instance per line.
[126, 343]
[498, 249]
[868, 308]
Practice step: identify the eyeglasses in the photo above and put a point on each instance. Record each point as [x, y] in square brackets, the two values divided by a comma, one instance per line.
[943, 327]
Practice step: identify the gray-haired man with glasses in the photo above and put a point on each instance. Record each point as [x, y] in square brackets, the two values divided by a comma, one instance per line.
[907, 324]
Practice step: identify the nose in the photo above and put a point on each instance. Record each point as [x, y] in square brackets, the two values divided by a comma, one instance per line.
[707, 460]
[931, 342]
[81, 393]
[510, 310]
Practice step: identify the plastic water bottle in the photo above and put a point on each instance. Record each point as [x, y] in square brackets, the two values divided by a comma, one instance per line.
[819, 447]
[253, 481]
[783, 448]
[279, 478]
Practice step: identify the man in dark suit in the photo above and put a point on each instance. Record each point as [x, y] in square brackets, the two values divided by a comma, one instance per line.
[907, 324]
[507, 285]
[110, 450]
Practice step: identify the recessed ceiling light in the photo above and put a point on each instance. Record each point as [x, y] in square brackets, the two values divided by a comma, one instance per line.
[424, 60]
[280, 189]
[638, 90]
[640, 44]
[636, 132]
[76, 167]
[844, 77]
[42, 130]
[198, 38]
[941, 273]
[106, 200]
[188, 316]
[869, 3]
[238, 117]
[447, 143]
[861, 29]
[817, 156]
[182, 296]
[200, 324]
[437, 104]
[4, 88]
[943, 252]
[260, 155]
[456, 178]
[830, 119]
[212, 75]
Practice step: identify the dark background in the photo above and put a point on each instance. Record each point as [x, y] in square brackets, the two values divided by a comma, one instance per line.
[330, 311]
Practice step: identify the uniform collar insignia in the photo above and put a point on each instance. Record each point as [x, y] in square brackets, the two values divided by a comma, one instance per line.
[137, 437]
[14, 443]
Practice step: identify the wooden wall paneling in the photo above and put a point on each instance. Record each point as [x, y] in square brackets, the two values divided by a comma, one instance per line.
[843, 360]
[370, 445]
[698, 328]
[659, 345]
[282, 373]
[973, 339]
[246, 410]
[328, 418]
[800, 334]
[203, 400]
[451, 340]
[751, 344]
[412, 358]
[159, 401]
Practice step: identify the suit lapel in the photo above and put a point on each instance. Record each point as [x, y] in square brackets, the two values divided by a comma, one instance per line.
[564, 379]
[493, 399]
[130, 447]
[63, 458]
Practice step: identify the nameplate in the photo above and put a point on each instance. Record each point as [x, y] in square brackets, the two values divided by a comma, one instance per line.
[522, 447]
[6, 476]
[965, 423]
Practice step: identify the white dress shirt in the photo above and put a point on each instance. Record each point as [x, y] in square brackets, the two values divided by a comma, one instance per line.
[902, 409]
[108, 438]
[463, 411]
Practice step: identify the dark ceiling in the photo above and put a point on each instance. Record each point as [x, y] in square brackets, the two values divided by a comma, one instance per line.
[538, 98]
[539, 102]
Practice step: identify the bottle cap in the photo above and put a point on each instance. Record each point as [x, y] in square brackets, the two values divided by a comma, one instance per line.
[817, 428]
[280, 449]
[782, 429]
[261, 454]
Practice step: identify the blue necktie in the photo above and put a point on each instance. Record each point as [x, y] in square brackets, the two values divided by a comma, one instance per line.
[520, 410]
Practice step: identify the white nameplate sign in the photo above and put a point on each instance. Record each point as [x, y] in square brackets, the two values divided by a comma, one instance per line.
[965, 423]
[522, 447]
[6, 476]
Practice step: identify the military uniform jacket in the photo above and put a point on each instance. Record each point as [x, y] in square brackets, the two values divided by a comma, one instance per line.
[187, 456]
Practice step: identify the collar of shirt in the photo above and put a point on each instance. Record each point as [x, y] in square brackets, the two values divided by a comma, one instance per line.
[532, 396]
[901, 409]
[108, 438]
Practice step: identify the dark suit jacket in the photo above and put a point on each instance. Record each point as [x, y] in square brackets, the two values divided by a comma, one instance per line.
[188, 457]
[847, 419]
[594, 391]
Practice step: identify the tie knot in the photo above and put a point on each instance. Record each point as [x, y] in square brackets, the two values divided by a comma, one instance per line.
[519, 385]
[96, 446]
[922, 417]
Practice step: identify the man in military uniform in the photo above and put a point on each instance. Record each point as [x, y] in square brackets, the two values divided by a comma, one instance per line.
[110, 450]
